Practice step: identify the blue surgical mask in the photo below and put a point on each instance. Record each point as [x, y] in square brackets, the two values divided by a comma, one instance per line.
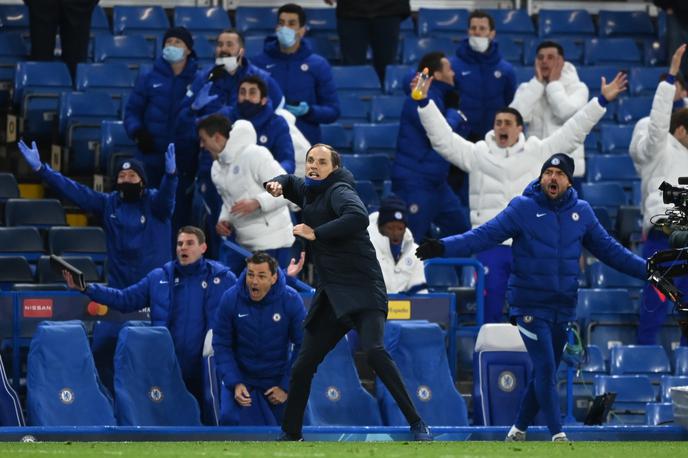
[247, 109]
[286, 37]
[172, 54]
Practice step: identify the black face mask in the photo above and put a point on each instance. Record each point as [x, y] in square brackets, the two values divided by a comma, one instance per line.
[248, 110]
[130, 192]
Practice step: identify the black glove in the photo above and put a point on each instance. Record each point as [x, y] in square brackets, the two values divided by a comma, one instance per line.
[430, 248]
[145, 141]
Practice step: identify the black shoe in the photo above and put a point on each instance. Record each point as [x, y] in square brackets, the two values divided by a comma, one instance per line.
[288, 437]
[421, 432]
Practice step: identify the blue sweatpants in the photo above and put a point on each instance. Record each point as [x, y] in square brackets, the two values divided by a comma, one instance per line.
[497, 262]
[260, 413]
[655, 306]
[545, 342]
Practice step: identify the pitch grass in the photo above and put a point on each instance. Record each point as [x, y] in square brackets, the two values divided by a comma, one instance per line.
[344, 449]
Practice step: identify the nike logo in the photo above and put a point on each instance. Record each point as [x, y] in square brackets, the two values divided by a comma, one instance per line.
[157, 85]
[163, 282]
[540, 215]
[465, 73]
[241, 315]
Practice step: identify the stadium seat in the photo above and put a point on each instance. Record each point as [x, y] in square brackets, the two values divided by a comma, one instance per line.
[41, 213]
[255, 20]
[654, 53]
[21, 241]
[644, 80]
[681, 361]
[659, 413]
[149, 21]
[201, 21]
[46, 274]
[610, 167]
[594, 362]
[254, 45]
[601, 275]
[37, 88]
[337, 136]
[608, 317]
[629, 222]
[10, 409]
[205, 51]
[573, 50]
[631, 109]
[609, 195]
[353, 109]
[612, 51]
[14, 269]
[419, 351]
[322, 22]
[413, 48]
[366, 191]
[592, 75]
[115, 145]
[570, 23]
[615, 139]
[386, 108]
[512, 22]
[78, 241]
[13, 49]
[394, 79]
[667, 382]
[442, 22]
[523, 73]
[149, 389]
[113, 78]
[62, 383]
[633, 24]
[99, 21]
[376, 138]
[129, 49]
[511, 49]
[8, 187]
[373, 167]
[592, 143]
[649, 360]
[440, 278]
[323, 46]
[337, 397]
[15, 18]
[632, 391]
[356, 79]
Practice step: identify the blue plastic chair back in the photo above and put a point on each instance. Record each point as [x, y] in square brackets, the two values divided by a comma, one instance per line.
[555, 23]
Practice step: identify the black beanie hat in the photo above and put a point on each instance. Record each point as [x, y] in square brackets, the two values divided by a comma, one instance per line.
[182, 34]
[136, 166]
[392, 208]
[563, 162]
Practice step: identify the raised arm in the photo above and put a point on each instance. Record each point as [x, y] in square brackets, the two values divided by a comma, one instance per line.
[164, 197]
[352, 215]
[130, 299]
[293, 188]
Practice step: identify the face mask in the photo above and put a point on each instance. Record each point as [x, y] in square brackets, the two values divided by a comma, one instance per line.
[130, 192]
[479, 44]
[230, 63]
[248, 109]
[286, 37]
[172, 54]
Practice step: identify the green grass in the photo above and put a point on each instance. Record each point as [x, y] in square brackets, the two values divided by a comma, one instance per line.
[343, 449]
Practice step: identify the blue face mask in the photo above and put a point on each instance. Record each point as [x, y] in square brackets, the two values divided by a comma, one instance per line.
[247, 109]
[286, 37]
[311, 183]
[172, 54]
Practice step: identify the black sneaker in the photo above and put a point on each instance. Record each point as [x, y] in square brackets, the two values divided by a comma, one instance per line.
[288, 437]
[421, 432]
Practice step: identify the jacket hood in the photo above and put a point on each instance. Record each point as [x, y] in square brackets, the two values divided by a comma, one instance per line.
[339, 175]
[569, 74]
[242, 135]
[535, 192]
[492, 56]
[272, 296]
[271, 48]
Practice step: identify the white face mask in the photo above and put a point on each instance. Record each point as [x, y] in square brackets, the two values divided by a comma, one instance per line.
[230, 63]
[479, 44]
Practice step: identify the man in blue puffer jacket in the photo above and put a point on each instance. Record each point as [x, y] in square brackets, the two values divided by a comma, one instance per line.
[419, 174]
[305, 77]
[484, 79]
[257, 321]
[549, 226]
[183, 295]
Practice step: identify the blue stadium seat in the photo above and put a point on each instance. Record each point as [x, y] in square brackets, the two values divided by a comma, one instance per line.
[376, 138]
[607, 195]
[573, 50]
[368, 194]
[594, 362]
[356, 80]
[115, 145]
[373, 167]
[419, 351]
[15, 18]
[62, 384]
[46, 274]
[610, 167]
[440, 278]
[654, 53]
[139, 20]
[10, 408]
[644, 80]
[631, 109]
[79, 241]
[99, 21]
[14, 269]
[413, 49]
[129, 49]
[658, 413]
[113, 78]
[21, 241]
[606, 303]
[386, 108]
[592, 75]
[205, 50]
[149, 389]
[633, 24]
[612, 51]
[512, 22]
[256, 20]
[523, 73]
[13, 49]
[681, 361]
[41, 213]
[37, 88]
[337, 136]
[394, 79]
[353, 109]
[254, 45]
[572, 23]
[601, 275]
[592, 143]
[649, 360]
[205, 22]
[337, 397]
[325, 47]
[615, 139]
[511, 49]
[9, 189]
[632, 391]
[442, 22]
[322, 22]
[667, 382]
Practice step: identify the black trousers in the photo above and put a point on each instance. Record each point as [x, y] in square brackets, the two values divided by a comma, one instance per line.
[320, 337]
[73, 17]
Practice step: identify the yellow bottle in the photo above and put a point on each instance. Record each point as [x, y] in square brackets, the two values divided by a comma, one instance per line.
[417, 93]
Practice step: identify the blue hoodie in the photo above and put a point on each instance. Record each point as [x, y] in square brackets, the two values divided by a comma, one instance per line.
[486, 83]
[304, 77]
[251, 339]
[548, 238]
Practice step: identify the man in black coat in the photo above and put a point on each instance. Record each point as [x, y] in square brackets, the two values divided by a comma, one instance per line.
[351, 290]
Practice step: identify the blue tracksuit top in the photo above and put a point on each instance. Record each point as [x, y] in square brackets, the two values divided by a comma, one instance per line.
[486, 83]
[155, 104]
[182, 298]
[415, 158]
[304, 77]
[138, 234]
[251, 339]
[272, 132]
[548, 237]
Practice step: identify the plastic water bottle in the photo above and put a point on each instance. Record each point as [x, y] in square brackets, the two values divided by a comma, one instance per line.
[417, 93]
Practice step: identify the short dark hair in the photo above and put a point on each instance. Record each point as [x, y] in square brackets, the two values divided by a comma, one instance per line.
[235, 32]
[480, 14]
[258, 81]
[513, 111]
[259, 257]
[215, 124]
[295, 9]
[678, 77]
[679, 118]
[334, 155]
[432, 61]
[550, 44]
[198, 232]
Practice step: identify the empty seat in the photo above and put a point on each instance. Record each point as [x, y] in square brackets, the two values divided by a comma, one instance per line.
[46, 274]
[356, 79]
[608, 316]
[681, 361]
[511, 49]
[14, 17]
[34, 212]
[667, 382]
[8, 187]
[612, 51]
[610, 167]
[208, 22]
[115, 145]
[337, 136]
[149, 389]
[68, 241]
[394, 79]
[139, 20]
[608, 195]
[523, 74]
[99, 21]
[659, 413]
[386, 108]
[369, 196]
[650, 360]
[321, 22]
[325, 47]
[21, 241]
[644, 80]
[632, 391]
[631, 109]
[255, 20]
[376, 138]
[62, 383]
[576, 23]
[413, 48]
[373, 167]
[512, 22]
[353, 109]
[13, 49]
[442, 22]
[14, 269]
[440, 278]
[592, 76]
[130, 49]
[113, 78]
[615, 139]
[634, 24]
[573, 49]
[594, 362]
[601, 275]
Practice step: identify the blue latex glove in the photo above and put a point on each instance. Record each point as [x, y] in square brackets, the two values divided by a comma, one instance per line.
[203, 98]
[170, 164]
[297, 110]
[30, 154]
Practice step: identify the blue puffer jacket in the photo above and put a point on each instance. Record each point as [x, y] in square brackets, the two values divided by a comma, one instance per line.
[185, 299]
[155, 104]
[548, 237]
[486, 83]
[272, 132]
[304, 77]
[415, 158]
[251, 339]
[138, 234]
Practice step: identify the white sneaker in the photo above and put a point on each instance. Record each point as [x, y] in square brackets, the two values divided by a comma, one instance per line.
[561, 437]
[516, 436]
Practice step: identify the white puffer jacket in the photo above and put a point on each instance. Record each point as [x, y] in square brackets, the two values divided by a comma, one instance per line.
[301, 143]
[239, 173]
[406, 273]
[497, 175]
[546, 107]
[656, 153]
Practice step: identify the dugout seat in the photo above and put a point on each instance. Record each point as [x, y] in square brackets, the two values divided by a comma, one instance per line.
[395, 76]
[386, 108]
[649, 360]
[681, 361]
[21, 241]
[79, 241]
[357, 80]
[255, 20]
[631, 109]
[376, 138]
[570, 23]
[337, 136]
[659, 413]
[644, 80]
[14, 269]
[201, 21]
[442, 22]
[633, 24]
[667, 382]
